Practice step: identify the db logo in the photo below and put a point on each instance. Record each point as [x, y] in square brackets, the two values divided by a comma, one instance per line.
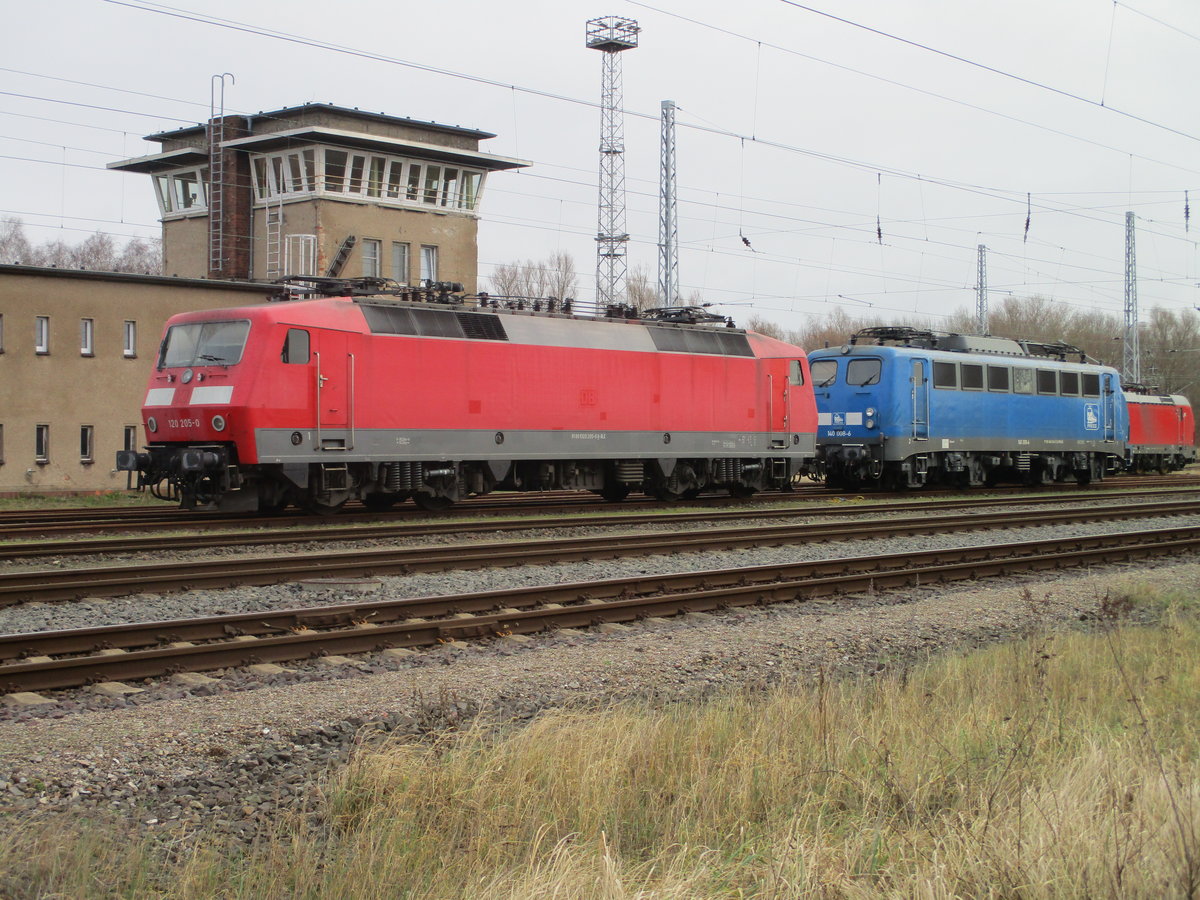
[587, 397]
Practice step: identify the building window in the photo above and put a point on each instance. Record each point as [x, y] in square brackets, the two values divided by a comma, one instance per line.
[131, 437]
[130, 339]
[370, 259]
[1, 445]
[41, 334]
[182, 191]
[1, 332]
[382, 178]
[41, 445]
[87, 337]
[429, 264]
[400, 262]
[86, 444]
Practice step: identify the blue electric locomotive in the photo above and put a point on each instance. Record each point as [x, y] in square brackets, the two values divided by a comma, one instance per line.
[901, 408]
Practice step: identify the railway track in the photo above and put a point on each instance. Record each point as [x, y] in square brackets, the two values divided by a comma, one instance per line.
[101, 581]
[27, 523]
[54, 660]
[295, 534]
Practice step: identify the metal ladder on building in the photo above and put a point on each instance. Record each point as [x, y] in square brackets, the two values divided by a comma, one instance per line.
[275, 241]
[216, 175]
[343, 254]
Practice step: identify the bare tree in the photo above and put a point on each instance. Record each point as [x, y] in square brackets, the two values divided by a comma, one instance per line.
[14, 246]
[552, 277]
[97, 252]
[640, 290]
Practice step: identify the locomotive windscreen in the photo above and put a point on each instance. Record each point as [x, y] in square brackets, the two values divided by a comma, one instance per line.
[198, 343]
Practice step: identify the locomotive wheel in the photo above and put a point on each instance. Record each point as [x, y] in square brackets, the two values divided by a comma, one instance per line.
[272, 509]
[666, 495]
[430, 503]
[741, 491]
[324, 509]
[691, 494]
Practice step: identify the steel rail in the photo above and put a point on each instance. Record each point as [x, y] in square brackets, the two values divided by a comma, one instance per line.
[158, 576]
[297, 534]
[17, 523]
[372, 626]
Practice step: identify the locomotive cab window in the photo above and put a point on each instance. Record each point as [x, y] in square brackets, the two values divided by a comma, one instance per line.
[1069, 381]
[972, 377]
[863, 372]
[204, 343]
[997, 378]
[1022, 380]
[1091, 384]
[1047, 381]
[945, 375]
[823, 371]
[795, 372]
[295, 346]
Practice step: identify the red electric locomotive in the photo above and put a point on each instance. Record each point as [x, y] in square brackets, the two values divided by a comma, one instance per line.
[315, 402]
[1162, 431]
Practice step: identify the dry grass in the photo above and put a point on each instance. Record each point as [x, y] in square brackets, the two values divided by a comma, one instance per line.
[1056, 766]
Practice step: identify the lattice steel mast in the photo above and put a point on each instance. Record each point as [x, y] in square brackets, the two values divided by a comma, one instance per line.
[611, 35]
[668, 227]
[981, 304]
[1131, 368]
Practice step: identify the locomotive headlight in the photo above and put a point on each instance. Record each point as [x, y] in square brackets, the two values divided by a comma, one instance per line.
[186, 377]
[870, 422]
[870, 411]
[152, 424]
[218, 423]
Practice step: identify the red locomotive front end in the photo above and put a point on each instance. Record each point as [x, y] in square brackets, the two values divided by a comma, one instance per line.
[1162, 432]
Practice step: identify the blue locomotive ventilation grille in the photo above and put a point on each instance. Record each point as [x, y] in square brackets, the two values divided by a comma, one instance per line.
[696, 340]
[482, 327]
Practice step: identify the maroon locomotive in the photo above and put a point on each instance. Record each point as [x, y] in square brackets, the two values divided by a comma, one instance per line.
[315, 402]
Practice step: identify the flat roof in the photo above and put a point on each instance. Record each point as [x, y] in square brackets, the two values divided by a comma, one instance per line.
[162, 162]
[135, 278]
[289, 112]
[319, 134]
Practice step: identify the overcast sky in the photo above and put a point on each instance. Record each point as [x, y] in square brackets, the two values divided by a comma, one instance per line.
[796, 131]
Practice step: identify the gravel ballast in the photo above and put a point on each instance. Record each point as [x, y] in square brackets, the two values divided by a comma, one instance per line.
[233, 759]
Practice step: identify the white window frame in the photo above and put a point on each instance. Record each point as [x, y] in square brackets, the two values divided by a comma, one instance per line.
[171, 199]
[1, 443]
[87, 337]
[87, 443]
[1, 332]
[41, 444]
[372, 249]
[368, 175]
[41, 335]
[401, 261]
[130, 335]
[130, 437]
[429, 263]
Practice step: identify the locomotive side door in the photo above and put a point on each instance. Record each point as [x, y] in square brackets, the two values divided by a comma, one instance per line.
[1108, 412]
[919, 381]
[334, 374]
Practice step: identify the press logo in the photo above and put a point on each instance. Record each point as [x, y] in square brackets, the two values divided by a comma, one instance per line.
[1091, 417]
